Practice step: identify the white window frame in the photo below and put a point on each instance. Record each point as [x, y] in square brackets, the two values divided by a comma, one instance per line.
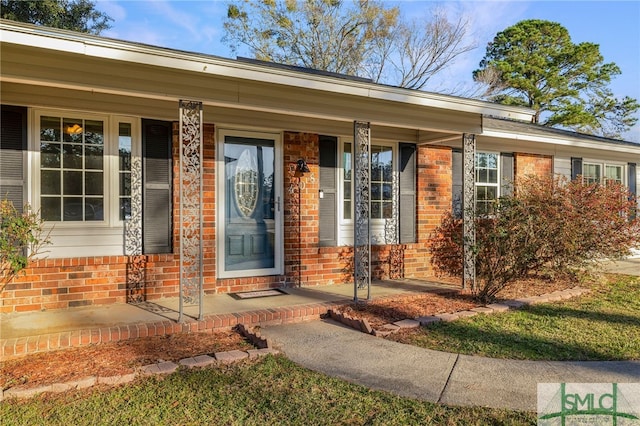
[486, 184]
[85, 238]
[345, 226]
[603, 166]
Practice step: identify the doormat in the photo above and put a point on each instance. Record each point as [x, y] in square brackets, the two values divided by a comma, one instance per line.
[257, 293]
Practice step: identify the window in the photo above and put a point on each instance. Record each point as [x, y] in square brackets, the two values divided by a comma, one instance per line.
[124, 169]
[592, 173]
[487, 181]
[72, 169]
[381, 181]
[383, 167]
[85, 167]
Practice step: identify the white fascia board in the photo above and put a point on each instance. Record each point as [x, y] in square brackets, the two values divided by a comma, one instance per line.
[571, 142]
[70, 42]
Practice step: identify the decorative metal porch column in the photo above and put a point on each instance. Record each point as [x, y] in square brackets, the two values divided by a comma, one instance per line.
[133, 234]
[469, 209]
[362, 208]
[191, 200]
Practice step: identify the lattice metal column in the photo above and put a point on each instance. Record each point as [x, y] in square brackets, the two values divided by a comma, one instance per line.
[362, 208]
[469, 209]
[191, 200]
[133, 234]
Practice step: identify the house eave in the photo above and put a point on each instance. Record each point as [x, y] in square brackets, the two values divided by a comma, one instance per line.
[99, 47]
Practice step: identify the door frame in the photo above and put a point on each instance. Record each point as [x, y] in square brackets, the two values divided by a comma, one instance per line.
[221, 195]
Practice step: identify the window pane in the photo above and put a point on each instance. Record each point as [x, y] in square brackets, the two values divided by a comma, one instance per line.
[347, 209]
[50, 129]
[376, 173]
[125, 184]
[93, 209]
[72, 209]
[591, 173]
[50, 208]
[124, 146]
[387, 210]
[94, 133]
[387, 192]
[93, 183]
[72, 183]
[72, 158]
[376, 212]
[376, 192]
[72, 128]
[481, 160]
[613, 173]
[50, 155]
[482, 175]
[347, 190]
[493, 176]
[50, 182]
[492, 161]
[93, 157]
[125, 208]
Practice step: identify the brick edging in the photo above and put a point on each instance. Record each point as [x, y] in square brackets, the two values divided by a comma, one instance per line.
[166, 367]
[362, 325]
[18, 347]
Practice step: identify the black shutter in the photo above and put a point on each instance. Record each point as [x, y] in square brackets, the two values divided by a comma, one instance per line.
[328, 209]
[407, 193]
[13, 144]
[576, 167]
[157, 192]
[632, 184]
[456, 187]
[506, 174]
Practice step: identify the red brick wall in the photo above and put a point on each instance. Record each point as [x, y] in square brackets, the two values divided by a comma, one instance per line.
[63, 283]
[532, 164]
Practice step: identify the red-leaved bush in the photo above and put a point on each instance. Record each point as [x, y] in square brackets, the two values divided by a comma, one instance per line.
[550, 226]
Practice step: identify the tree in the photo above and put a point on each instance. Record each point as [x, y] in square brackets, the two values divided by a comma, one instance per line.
[535, 64]
[548, 226]
[75, 15]
[363, 38]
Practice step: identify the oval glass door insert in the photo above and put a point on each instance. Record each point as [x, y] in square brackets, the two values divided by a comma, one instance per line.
[246, 183]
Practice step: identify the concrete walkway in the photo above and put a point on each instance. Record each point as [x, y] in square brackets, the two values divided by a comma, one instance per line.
[406, 370]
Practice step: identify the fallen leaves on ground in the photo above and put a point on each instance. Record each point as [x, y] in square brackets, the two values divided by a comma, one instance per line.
[111, 359]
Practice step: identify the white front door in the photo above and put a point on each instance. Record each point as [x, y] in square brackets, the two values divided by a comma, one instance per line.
[249, 204]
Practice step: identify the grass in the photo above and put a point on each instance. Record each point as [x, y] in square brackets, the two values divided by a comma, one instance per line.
[602, 325]
[271, 391]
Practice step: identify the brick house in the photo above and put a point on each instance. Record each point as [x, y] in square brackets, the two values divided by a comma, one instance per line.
[80, 114]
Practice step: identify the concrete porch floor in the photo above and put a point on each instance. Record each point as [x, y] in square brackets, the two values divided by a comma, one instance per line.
[30, 332]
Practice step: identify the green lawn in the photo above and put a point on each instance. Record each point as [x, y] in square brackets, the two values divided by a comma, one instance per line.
[602, 325]
[272, 391]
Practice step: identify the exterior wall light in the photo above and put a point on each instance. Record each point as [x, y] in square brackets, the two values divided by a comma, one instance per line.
[302, 166]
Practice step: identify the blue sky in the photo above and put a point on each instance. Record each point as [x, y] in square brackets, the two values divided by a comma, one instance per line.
[614, 25]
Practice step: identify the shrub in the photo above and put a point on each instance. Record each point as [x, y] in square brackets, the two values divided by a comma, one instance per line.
[22, 238]
[548, 226]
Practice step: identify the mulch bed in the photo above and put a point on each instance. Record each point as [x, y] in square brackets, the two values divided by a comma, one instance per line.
[110, 359]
